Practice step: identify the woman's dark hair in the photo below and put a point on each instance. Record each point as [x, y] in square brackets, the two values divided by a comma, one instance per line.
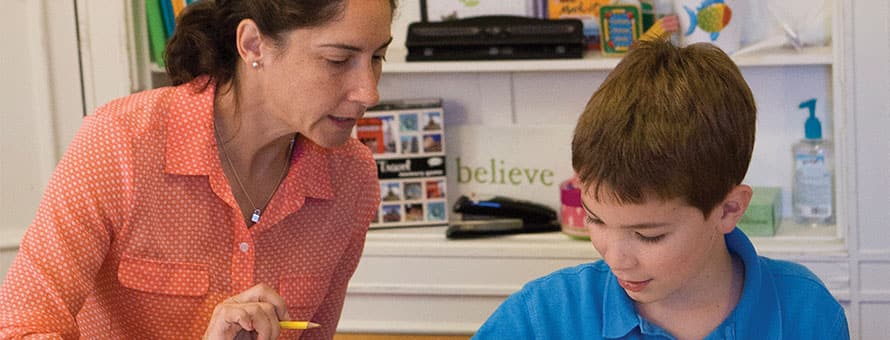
[204, 40]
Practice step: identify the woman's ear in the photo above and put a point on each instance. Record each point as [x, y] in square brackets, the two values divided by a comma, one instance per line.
[249, 41]
[734, 206]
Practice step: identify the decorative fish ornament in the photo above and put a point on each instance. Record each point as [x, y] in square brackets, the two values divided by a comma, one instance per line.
[711, 16]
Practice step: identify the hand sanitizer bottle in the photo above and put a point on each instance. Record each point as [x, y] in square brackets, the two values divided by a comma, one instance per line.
[812, 193]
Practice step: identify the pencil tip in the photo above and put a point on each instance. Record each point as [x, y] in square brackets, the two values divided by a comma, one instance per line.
[313, 325]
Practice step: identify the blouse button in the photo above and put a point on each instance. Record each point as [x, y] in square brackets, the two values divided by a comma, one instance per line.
[244, 247]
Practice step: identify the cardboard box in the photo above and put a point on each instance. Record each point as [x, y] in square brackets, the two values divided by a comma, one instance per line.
[764, 213]
[407, 138]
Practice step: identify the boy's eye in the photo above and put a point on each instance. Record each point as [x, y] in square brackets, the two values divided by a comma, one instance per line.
[592, 220]
[650, 239]
[338, 61]
[380, 57]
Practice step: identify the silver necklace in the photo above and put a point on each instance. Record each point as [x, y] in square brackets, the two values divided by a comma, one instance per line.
[257, 212]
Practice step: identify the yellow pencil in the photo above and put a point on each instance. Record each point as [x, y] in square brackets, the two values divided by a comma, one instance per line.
[297, 324]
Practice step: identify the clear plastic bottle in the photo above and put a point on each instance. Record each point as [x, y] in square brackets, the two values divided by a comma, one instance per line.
[812, 193]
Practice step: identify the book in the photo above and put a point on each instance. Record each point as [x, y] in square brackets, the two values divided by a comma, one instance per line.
[407, 138]
[178, 6]
[169, 18]
[588, 11]
[157, 37]
[621, 25]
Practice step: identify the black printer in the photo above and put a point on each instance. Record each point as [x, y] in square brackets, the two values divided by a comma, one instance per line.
[495, 38]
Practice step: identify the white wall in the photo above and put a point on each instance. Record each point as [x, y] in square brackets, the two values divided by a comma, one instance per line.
[870, 247]
[25, 124]
[41, 108]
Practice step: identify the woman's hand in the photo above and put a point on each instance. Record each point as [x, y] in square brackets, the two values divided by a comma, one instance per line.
[253, 314]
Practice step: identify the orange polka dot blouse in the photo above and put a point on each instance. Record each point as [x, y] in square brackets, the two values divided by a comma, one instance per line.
[138, 235]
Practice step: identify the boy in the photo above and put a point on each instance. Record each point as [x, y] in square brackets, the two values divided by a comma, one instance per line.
[661, 150]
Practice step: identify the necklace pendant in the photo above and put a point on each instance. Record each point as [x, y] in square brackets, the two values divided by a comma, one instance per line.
[256, 216]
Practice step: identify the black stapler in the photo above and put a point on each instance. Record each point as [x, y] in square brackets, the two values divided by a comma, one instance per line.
[500, 215]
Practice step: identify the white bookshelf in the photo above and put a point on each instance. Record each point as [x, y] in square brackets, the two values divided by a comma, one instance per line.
[790, 239]
[593, 61]
[484, 90]
[466, 279]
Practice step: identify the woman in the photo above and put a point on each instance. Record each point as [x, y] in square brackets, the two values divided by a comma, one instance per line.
[224, 204]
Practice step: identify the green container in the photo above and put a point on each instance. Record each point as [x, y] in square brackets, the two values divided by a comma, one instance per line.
[764, 212]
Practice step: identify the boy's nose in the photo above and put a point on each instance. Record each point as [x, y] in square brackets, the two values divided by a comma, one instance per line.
[619, 258]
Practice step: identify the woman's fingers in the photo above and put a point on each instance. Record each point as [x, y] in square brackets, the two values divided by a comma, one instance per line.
[263, 293]
[237, 318]
[256, 310]
[227, 321]
[266, 321]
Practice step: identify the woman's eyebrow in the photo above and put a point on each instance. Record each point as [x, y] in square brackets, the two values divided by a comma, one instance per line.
[355, 48]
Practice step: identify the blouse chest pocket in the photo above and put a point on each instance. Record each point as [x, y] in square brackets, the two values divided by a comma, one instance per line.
[303, 294]
[164, 277]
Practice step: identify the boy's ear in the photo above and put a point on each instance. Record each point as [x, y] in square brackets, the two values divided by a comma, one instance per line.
[249, 42]
[734, 206]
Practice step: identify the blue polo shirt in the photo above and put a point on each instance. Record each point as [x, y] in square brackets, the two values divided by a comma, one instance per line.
[780, 300]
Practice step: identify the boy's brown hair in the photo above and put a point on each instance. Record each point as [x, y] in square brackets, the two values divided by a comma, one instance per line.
[670, 122]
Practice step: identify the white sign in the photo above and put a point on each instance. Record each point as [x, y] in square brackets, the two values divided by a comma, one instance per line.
[526, 163]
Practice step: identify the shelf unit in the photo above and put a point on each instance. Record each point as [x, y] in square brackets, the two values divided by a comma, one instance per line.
[467, 279]
[793, 239]
[594, 61]
[515, 74]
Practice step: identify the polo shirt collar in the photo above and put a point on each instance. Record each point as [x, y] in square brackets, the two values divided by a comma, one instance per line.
[619, 314]
[755, 316]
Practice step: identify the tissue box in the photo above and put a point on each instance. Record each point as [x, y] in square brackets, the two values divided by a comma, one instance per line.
[764, 212]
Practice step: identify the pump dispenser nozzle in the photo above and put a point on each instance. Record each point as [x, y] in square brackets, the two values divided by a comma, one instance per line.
[812, 127]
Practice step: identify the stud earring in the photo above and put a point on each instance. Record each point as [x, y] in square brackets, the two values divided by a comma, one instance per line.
[255, 64]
